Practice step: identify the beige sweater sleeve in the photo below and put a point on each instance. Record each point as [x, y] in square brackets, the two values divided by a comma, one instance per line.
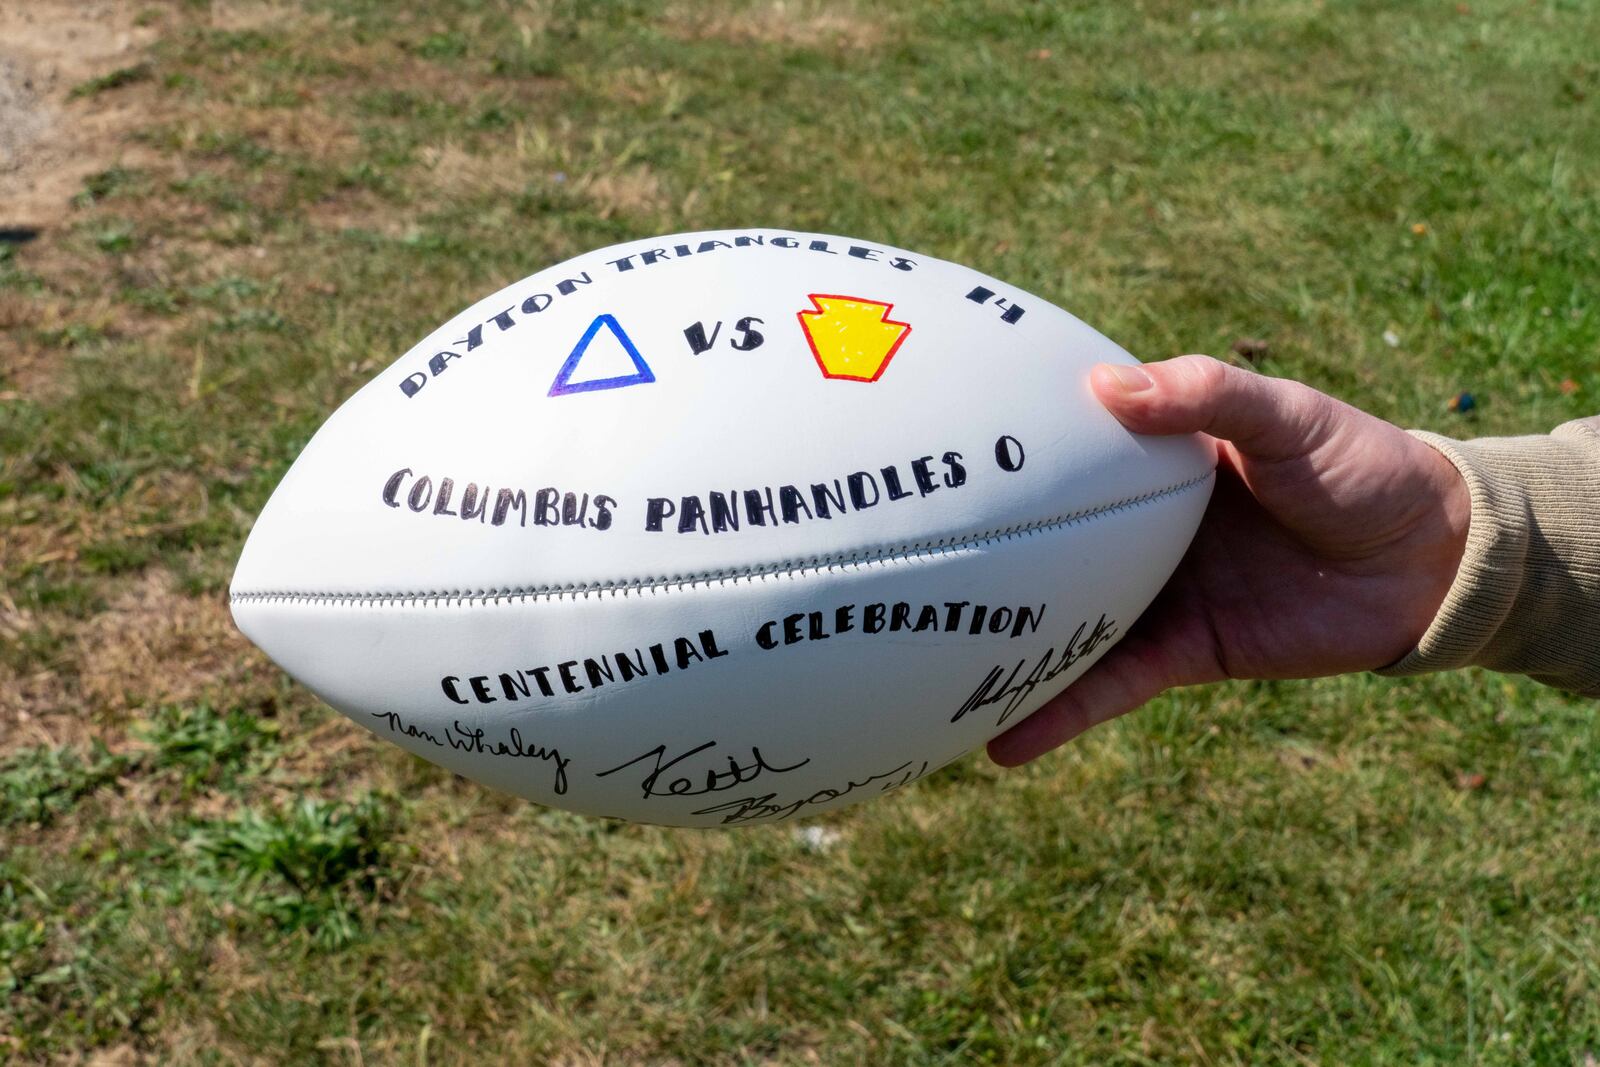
[1526, 598]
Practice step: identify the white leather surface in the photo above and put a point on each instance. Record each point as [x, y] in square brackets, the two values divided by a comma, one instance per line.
[387, 610]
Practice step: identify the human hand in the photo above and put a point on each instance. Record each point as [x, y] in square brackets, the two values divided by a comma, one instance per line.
[1331, 540]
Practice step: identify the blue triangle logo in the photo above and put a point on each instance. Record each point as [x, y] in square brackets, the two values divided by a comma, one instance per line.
[563, 383]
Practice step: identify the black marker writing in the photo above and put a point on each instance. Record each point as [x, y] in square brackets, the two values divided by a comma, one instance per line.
[685, 785]
[767, 806]
[473, 739]
[1001, 688]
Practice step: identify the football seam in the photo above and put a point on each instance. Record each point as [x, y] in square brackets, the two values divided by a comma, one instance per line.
[786, 568]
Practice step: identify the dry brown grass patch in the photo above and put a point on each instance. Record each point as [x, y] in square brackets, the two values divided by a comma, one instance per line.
[455, 172]
[308, 131]
[634, 191]
[37, 324]
[452, 171]
[154, 645]
[829, 27]
[235, 16]
[33, 697]
[157, 502]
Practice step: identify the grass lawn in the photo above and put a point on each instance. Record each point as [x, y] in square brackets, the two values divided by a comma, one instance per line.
[200, 863]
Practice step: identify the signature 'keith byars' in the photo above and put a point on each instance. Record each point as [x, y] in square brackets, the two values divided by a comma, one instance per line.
[691, 781]
[1003, 689]
[767, 806]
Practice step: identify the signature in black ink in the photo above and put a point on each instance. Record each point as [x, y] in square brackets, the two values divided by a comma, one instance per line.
[685, 785]
[1001, 688]
[767, 806]
[473, 739]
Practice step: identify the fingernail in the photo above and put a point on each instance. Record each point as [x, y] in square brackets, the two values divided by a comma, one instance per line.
[1130, 379]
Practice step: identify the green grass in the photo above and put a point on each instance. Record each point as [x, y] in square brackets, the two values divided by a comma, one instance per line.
[116, 79]
[203, 864]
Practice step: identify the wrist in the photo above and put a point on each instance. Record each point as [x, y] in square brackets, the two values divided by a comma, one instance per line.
[1438, 546]
[1455, 516]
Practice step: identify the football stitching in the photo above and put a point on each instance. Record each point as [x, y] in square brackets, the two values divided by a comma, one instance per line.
[785, 568]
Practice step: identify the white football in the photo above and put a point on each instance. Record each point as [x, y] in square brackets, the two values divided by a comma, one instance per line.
[719, 528]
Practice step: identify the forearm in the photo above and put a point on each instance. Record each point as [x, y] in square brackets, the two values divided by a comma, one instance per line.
[1526, 598]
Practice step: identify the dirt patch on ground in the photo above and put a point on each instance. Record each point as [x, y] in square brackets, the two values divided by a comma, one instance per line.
[22, 115]
[50, 137]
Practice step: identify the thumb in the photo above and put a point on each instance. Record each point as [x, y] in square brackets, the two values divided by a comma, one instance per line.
[1265, 418]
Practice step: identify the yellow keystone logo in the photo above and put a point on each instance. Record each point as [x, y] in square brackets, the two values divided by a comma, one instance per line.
[852, 338]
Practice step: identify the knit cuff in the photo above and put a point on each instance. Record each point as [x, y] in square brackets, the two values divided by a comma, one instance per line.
[1526, 597]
